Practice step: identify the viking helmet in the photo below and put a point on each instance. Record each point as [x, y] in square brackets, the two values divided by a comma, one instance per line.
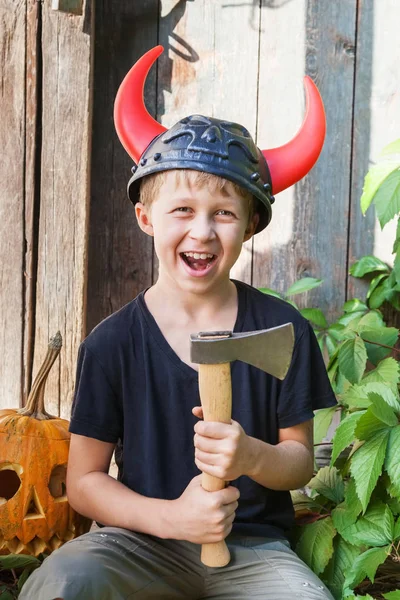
[212, 145]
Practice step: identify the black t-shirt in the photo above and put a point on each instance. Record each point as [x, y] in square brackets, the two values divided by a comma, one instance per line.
[132, 389]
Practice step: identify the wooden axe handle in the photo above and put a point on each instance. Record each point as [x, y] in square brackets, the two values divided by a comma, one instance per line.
[216, 399]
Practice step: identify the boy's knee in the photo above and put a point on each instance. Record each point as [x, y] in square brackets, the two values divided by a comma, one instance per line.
[65, 574]
[73, 563]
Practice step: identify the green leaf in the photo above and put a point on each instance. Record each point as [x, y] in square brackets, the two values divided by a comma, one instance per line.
[315, 316]
[315, 546]
[392, 278]
[397, 238]
[392, 461]
[351, 498]
[395, 595]
[385, 392]
[270, 292]
[344, 555]
[375, 283]
[344, 434]
[303, 285]
[322, 421]
[375, 528]
[366, 465]
[396, 535]
[328, 483]
[368, 425]
[392, 148]
[18, 561]
[392, 490]
[330, 343]
[326, 343]
[332, 368]
[393, 503]
[384, 335]
[352, 597]
[343, 519]
[356, 397]
[302, 501]
[353, 359]
[386, 372]
[336, 331]
[23, 577]
[372, 320]
[366, 565]
[367, 264]
[342, 384]
[382, 410]
[346, 319]
[396, 264]
[6, 595]
[367, 597]
[353, 325]
[346, 513]
[394, 298]
[387, 198]
[373, 180]
[354, 305]
[320, 338]
[380, 294]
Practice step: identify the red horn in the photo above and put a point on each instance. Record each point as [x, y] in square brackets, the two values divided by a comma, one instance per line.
[289, 163]
[135, 127]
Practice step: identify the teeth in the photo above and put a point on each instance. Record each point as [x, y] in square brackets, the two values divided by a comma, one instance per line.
[197, 256]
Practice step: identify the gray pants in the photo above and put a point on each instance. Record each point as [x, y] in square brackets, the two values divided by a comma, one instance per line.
[117, 564]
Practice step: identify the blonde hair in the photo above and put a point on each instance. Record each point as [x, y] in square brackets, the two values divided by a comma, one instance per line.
[151, 185]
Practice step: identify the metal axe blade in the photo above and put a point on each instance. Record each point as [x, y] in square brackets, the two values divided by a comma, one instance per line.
[268, 349]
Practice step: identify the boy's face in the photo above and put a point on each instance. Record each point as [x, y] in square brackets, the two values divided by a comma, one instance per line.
[198, 232]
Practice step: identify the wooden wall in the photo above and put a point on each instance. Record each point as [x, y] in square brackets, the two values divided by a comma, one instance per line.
[70, 250]
[45, 140]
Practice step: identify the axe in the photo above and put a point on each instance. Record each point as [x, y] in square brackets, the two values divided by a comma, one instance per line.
[267, 349]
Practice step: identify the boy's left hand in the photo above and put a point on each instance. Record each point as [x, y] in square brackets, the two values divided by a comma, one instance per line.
[221, 449]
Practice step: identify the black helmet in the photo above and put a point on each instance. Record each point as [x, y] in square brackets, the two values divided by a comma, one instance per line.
[212, 145]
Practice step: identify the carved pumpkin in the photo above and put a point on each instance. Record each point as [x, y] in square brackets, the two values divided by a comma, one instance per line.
[35, 515]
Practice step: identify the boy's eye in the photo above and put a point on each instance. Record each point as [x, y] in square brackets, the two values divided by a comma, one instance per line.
[226, 212]
[182, 209]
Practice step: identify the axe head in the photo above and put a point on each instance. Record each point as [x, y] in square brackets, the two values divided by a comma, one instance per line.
[268, 349]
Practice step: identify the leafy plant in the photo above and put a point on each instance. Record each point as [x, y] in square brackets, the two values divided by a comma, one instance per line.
[382, 189]
[14, 571]
[348, 521]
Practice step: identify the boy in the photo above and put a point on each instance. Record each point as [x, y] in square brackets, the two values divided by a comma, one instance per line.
[200, 189]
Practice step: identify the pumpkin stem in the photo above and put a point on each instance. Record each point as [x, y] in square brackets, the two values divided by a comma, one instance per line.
[35, 404]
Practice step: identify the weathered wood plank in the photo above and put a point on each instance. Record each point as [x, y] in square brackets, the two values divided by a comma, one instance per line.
[12, 139]
[32, 173]
[204, 71]
[120, 254]
[376, 123]
[308, 233]
[60, 292]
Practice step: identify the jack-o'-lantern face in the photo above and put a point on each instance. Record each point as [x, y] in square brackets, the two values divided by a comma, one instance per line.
[35, 515]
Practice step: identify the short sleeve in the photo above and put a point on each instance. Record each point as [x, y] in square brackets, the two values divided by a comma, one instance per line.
[306, 386]
[96, 411]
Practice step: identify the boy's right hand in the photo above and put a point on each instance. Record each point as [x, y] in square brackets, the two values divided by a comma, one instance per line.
[204, 517]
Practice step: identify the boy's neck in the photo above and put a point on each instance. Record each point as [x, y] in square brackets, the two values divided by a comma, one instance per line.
[179, 314]
[190, 307]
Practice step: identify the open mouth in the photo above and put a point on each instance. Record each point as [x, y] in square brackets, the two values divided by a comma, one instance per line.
[198, 262]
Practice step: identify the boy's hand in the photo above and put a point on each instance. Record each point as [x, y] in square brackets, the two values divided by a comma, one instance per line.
[203, 517]
[221, 449]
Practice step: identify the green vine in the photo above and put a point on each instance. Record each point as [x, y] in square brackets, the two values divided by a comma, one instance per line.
[348, 517]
